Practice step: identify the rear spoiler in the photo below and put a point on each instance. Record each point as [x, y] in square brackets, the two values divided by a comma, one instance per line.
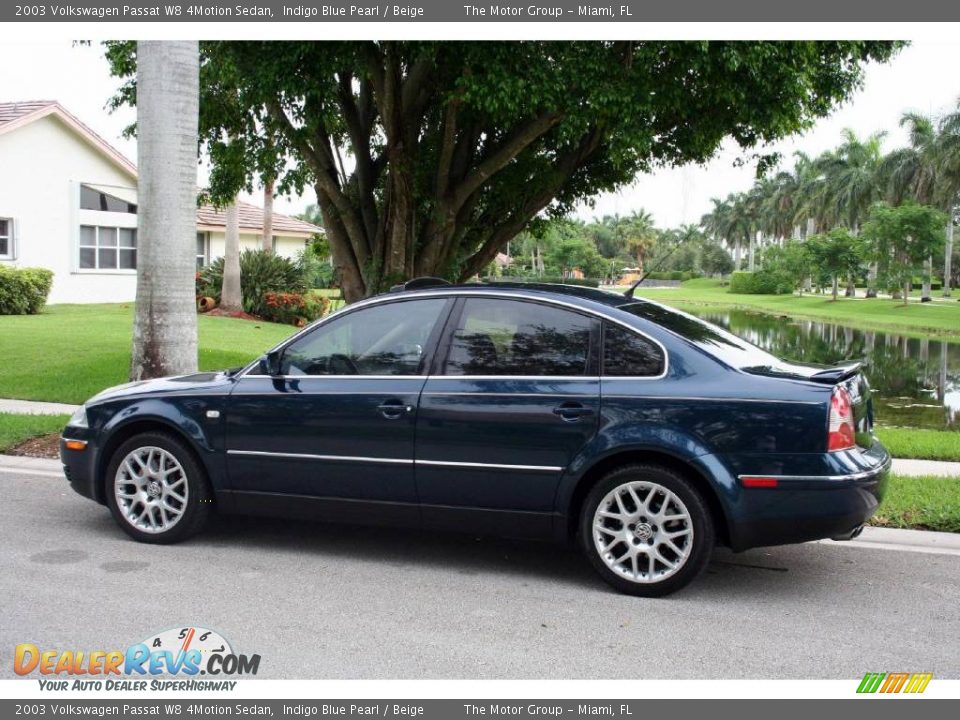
[834, 375]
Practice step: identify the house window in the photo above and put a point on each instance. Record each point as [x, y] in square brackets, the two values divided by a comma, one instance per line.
[6, 238]
[91, 199]
[108, 248]
[202, 249]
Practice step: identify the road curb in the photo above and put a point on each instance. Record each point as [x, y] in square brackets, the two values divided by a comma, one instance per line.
[32, 407]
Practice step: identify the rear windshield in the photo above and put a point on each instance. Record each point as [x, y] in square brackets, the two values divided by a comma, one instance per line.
[716, 341]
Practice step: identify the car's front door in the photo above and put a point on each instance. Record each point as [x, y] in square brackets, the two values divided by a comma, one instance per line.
[514, 398]
[332, 432]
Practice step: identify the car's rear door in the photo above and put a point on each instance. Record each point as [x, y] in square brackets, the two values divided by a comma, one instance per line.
[514, 397]
[337, 423]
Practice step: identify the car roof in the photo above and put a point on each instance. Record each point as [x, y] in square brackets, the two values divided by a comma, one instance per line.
[526, 289]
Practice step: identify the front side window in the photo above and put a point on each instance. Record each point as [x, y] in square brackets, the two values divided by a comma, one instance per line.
[108, 248]
[628, 354]
[6, 238]
[511, 337]
[387, 339]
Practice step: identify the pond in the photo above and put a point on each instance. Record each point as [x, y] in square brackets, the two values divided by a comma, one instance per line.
[916, 382]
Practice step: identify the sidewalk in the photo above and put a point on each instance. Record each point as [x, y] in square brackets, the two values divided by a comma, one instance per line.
[29, 407]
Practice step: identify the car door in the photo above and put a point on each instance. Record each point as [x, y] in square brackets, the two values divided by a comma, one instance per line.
[514, 398]
[332, 433]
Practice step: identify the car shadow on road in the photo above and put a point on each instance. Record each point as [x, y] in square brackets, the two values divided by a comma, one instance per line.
[728, 572]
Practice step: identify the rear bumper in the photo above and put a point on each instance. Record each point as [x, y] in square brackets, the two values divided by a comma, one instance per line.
[812, 507]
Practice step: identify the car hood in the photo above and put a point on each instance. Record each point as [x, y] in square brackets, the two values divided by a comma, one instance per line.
[175, 384]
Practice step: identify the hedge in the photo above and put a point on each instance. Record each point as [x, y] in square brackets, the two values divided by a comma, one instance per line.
[744, 282]
[24, 291]
[682, 275]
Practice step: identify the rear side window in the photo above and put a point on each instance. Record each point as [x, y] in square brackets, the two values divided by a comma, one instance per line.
[510, 337]
[628, 354]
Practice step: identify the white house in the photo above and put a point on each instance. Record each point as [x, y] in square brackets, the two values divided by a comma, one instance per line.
[68, 202]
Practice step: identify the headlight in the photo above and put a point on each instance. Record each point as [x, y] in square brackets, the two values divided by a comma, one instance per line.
[79, 418]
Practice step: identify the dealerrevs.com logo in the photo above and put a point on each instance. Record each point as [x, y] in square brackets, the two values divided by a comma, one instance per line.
[186, 652]
[897, 682]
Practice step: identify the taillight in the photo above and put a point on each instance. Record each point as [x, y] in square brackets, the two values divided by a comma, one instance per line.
[841, 432]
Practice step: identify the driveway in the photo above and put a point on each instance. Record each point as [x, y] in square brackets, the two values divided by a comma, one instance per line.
[347, 602]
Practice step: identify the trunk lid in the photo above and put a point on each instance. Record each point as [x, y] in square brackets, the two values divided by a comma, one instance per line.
[848, 375]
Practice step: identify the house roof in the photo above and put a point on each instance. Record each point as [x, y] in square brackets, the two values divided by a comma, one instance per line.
[251, 218]
[15, 115]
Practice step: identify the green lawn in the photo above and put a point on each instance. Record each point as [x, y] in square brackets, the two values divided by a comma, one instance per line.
[940, 319]
[14, 429]
[921, 503]
[71, 352]
[920, 444]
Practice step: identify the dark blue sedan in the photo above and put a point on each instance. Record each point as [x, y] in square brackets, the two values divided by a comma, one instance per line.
[536, 411]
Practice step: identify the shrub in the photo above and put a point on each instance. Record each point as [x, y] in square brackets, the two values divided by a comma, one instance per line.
[762, 282]
[260, 273]
[24, 291]
[581, 282]
[293, 308]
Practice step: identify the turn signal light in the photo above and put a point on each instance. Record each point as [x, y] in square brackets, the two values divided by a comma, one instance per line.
[841, 434]
[75, 444]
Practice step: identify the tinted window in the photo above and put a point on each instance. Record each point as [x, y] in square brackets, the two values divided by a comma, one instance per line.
[509, 337]
[626, 353]
[714, 340]
[383, 340]
[91, 199]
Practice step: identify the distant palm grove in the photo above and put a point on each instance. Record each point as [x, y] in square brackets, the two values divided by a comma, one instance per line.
[851, 217]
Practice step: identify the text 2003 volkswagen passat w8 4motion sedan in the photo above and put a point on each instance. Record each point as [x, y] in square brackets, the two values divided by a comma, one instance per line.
[525, 410]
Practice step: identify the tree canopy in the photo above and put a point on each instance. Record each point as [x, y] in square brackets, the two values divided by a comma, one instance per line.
[427, 157]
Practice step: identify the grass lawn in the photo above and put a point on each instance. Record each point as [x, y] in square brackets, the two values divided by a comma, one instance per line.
[68, 353]
[14, 429]
[920, 444]
[921, 503]
[940, 319]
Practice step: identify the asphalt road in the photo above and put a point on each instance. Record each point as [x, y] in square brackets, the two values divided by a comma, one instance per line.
[347, 602]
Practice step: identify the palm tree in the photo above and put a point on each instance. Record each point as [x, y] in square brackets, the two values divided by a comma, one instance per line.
[928, 171]
[231, 296]
[267, 237]
[165, 320]
[640, 235]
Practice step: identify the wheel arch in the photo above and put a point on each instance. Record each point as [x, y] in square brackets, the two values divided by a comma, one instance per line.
[648, 456]
[136, 426]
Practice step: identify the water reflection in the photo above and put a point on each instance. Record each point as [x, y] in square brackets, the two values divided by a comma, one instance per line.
[916, 382]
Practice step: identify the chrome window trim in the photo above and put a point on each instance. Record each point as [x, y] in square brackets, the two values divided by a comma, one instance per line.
[394, 461]
[457, 292]
[712, 399]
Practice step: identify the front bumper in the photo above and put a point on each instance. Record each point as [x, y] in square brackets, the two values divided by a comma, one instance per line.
[813, 507]
[79, 466]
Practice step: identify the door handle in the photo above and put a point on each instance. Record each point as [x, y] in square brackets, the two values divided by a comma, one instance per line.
[571, 412]
[392, 409]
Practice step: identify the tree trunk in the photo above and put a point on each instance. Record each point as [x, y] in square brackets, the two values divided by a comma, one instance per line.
[872, 280]
[851, 287]
[836, 286]
[907, 286]
[927, 280]
[165, 319]
[736, 255]
[751, 261]
[948, 259]
[231, 298]
[267, 237]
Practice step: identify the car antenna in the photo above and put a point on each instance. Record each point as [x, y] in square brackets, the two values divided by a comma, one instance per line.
[628, 293]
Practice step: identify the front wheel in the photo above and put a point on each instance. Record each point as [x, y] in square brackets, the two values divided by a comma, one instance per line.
[646, 530]
[156, 489]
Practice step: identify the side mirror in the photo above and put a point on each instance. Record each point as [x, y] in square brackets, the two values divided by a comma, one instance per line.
[269, 364]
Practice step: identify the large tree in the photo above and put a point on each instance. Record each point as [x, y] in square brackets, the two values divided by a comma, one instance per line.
[165, 324]
[427, 157]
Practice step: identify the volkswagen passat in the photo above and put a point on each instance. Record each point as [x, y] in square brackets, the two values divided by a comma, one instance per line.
[537, 411]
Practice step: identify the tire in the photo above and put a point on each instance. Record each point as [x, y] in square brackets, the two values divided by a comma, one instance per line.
[157, 490]
[633, 555]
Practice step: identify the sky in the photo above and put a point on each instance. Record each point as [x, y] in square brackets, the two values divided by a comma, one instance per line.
[921, 78]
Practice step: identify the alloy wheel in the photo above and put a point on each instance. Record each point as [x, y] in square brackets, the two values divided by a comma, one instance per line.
[643, 532]
[151, 489]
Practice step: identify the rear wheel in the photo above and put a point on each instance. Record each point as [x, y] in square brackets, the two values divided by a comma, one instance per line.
[156, 489]
[646, 530]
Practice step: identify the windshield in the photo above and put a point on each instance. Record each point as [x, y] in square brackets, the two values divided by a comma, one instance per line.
[716, 341]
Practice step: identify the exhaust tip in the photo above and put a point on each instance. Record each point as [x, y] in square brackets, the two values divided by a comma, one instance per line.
[849, 535]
